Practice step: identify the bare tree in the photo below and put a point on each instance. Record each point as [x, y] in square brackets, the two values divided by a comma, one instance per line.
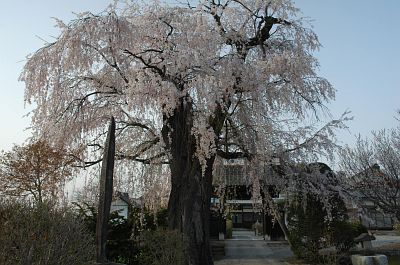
[372, 169]
[235, 79]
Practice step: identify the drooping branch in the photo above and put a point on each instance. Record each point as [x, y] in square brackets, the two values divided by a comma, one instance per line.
[224, 148]
[78, 102]
[321, 135]
[160, 71]
[113, 64]
[149, 160]
[132, 122]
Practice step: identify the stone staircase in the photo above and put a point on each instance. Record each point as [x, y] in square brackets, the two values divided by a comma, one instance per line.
[218, 249]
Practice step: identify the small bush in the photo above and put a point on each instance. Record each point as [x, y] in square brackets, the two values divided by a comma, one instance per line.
[42, 234]
[358, 228]
[310, 229]
[162, 247]
[396, 227]
[123, 234]
[342, 235]
[120, 247]
[229, 228]
[307, 228]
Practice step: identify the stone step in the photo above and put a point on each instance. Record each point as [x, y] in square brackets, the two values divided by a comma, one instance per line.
[218, 248]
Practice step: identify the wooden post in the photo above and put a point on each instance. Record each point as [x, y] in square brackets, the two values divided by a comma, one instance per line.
[105, 195]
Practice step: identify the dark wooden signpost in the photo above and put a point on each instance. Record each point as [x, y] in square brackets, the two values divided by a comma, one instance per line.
[105, 196]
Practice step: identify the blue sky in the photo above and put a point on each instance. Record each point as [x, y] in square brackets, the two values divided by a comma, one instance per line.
[360, 57]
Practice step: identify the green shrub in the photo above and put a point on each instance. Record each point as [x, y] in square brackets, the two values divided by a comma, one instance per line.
[123, 234]
[162, 247]
[358, 228]
[42, 234]
[342, 234]
[229, 228]
[307, 226]
[310, 229]
[396, 227]
[120, 245]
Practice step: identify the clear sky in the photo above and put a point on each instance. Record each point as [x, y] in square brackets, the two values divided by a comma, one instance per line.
[360, 57]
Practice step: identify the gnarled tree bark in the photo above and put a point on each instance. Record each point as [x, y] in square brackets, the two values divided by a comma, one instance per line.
[189, 202]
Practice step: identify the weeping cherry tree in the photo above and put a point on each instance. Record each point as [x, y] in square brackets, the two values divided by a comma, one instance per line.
[186, 84]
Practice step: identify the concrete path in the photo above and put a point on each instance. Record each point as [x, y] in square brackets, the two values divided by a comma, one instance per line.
[247, 249]
[385, 238]
[250, 262]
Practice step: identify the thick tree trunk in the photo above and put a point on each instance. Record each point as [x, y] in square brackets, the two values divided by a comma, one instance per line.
[189, 203]
[188, 210]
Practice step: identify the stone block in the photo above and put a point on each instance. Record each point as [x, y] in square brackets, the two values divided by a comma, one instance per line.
[369, 260]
